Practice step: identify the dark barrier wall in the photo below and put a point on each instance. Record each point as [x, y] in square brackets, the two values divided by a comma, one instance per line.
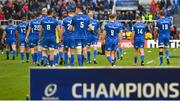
[105, 84]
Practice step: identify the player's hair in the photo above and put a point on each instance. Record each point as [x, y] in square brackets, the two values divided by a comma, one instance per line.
[80, 8]
[162, 13]
[112, 16]
[138, 17]
[71, 11]
[23, 18]
[49, 12]
[44, 11]
[10, 21]
[33, 15]
[38, 13]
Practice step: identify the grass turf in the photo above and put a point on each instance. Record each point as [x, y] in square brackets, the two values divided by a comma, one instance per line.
[14, 76]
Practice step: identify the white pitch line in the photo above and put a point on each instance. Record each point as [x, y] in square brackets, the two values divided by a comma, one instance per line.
[149, 62]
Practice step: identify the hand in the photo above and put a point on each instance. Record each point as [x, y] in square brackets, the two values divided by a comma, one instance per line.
[2, 41]
[26, 40]
[90, 27]
[132, 42]
[155, 40]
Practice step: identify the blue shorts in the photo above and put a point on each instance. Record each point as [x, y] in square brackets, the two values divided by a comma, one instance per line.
[163, 41]
[10, 42]
[22, 43]
[80, 42]
[33, 43]
[111, 45]
[138, 43]
[69, 43]
[58, 45]
[92, 41]
[49, 43]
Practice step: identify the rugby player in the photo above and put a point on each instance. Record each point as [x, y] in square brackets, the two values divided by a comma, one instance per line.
[137, 39]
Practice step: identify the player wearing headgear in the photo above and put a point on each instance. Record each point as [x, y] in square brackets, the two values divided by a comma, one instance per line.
[81, 23]
[9, 36]
[68, 38]
[32, 37]
[48, 34]
[22, 30]
[138, 33]
[92, 38]
[112, 34]
[163, 27]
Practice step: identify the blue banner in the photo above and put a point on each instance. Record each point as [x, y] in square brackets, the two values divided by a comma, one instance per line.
[127, 3]
[105, 84]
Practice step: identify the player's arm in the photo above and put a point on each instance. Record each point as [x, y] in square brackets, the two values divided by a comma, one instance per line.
[99, 32]
[155, 33]
[28, 32]
[17, 36]
[40, 31]
[104, 35]
[132, 36]
[3, 37]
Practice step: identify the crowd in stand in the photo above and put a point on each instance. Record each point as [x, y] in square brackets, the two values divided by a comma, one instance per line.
[17, 9]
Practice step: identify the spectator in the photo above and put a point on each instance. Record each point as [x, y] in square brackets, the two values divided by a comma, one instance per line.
[175, 6]
[1, 15]
[168, 3]
[162, 4]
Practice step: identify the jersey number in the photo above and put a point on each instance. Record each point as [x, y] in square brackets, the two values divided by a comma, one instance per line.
[112, 32]
[48, 27]
[140, 31]
[165, 26]
[81, 24]
[68, 25]
[23, 30]
[36, 27]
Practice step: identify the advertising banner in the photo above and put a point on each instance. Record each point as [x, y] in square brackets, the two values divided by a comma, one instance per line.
[104, 84]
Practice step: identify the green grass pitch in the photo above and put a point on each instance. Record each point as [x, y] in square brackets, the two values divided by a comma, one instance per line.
[14, 76]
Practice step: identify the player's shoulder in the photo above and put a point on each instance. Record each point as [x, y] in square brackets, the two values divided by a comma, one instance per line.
[120, 24]
[60, 22]
[95, 20]
[160, 19]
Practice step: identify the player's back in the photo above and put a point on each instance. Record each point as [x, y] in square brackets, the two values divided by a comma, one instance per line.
[66, 23]
[34, 24]
[95, 25]
[49, 27]
[21, 28]
[112, 30]
[140, 30]
[80, 23]
[10, 32]
[44, 16]
[164, 26]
